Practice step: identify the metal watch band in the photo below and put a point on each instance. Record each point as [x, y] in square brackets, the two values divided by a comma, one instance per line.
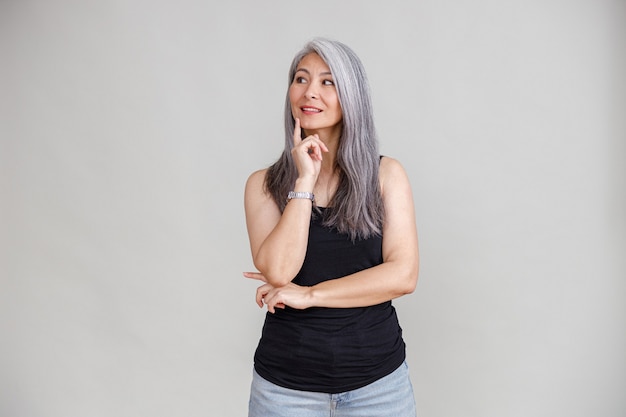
[300, 194]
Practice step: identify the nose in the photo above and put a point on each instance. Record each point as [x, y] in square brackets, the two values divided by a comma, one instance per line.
[310, 93]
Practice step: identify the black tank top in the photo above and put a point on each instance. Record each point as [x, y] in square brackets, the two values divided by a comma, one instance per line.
[331, 350]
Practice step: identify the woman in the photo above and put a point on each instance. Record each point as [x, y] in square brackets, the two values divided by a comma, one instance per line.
[332, 233]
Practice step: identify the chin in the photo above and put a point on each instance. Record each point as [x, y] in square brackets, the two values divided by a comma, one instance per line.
[309, 126]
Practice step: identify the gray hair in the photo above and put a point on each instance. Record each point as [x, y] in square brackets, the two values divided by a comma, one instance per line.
[356, 208]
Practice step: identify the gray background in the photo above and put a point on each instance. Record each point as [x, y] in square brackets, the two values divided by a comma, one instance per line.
[128, 129]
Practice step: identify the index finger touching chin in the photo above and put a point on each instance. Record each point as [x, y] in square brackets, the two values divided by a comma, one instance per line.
[297, 132]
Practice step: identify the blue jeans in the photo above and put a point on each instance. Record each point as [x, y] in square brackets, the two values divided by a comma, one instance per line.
[390, 396]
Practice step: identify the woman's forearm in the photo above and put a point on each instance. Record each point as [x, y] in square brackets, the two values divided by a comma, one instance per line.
[281, 255]
[371, 286]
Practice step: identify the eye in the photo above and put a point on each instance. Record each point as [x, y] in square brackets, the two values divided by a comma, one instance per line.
[299, 80]
[328, 82]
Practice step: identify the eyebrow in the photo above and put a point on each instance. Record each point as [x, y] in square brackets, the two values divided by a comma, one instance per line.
[308, 72]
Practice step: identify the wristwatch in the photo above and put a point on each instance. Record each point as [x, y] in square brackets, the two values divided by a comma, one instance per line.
[300, 194]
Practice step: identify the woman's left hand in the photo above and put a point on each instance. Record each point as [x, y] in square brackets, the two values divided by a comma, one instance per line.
[292, 295]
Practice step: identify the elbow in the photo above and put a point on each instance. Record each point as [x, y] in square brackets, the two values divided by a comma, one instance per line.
[409, 283]
[410, 286]
[275, 269]
[278, 280]
[276, 277]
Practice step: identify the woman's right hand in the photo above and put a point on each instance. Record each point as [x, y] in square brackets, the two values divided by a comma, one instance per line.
[307, 155]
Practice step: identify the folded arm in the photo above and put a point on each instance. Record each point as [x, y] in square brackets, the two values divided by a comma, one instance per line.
[277, 241]
[396, 276]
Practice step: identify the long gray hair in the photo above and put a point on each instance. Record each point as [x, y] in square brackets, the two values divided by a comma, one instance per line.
[356, 208]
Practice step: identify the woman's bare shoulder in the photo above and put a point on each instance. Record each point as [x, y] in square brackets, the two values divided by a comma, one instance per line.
[390, 170]
[256, 180]
[258, 175]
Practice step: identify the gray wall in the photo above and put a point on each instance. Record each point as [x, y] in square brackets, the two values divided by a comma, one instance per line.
[128, 129]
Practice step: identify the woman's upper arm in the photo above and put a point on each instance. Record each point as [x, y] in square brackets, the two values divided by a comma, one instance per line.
[399, 228]
[262, 213]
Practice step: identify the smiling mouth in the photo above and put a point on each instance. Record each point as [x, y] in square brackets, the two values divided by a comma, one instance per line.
[310, 110]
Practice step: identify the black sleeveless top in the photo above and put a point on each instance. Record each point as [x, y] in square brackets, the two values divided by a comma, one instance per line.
[331, 350]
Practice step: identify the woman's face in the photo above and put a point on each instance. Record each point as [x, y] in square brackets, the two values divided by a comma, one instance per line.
[314, 97]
